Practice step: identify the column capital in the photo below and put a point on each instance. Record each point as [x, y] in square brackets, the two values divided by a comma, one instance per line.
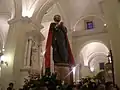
[26, 19]
[30, 38]
[23, 19]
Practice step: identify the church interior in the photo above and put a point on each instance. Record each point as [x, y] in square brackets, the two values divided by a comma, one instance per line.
[93, 30]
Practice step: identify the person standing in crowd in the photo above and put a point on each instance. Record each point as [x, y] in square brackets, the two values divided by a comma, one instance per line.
[11, 85]
[101, 87]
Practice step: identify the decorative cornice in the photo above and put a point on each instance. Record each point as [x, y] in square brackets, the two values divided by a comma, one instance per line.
[15, 20]
[36, 25]
[89, 34]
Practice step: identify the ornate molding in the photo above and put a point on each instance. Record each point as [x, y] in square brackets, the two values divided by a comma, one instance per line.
[15, 20]
[26, 19]
[90, 59]
[89, 15]
[88, 33]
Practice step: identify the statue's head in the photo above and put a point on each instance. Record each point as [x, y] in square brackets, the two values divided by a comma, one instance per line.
[57, 18]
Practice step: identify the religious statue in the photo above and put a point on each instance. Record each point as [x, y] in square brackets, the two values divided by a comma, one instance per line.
[35, 56]
[58, 40]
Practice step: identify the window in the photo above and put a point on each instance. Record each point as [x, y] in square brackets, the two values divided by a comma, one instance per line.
[89, 25]
[101, 66]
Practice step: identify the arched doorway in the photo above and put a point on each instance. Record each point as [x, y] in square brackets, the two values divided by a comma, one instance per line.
[92, 56]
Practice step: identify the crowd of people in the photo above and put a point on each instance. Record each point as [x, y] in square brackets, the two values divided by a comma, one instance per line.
[83, 84]
[94, 84]
[49, 82]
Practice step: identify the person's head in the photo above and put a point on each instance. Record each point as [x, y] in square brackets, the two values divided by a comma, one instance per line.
[11, 85]
[57, 18]
[101, 87]
[109, 86]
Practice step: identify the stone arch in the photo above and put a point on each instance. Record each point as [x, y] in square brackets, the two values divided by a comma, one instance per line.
[90, 41]
[85, 70]
[60, 11]
[95, 55]
[63, 15]
[99, 42]
[90, 15]
[100, 51]
[38, 17]
[42, 11]
[79, 56]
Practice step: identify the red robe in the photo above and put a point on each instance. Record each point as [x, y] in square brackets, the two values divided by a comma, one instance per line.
[48, 51]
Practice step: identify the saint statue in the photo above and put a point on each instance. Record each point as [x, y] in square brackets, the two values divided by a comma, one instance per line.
[35, 56]
[58, 40]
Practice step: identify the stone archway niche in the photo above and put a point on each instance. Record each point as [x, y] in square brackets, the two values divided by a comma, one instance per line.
[93, 53]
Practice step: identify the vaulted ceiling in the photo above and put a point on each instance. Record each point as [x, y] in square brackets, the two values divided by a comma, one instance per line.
[43, 10]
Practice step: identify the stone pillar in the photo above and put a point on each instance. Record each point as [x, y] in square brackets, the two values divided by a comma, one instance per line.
[14, 48]
[26, 51]
[77, 73]
[111, 10]
[29, 51]
[41, 58]
[72, 75]
[14, 51]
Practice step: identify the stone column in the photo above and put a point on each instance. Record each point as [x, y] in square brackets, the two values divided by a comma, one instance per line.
[40, 58]
[29, 51]
[111, 10]
[72, 75]
[14, 50]
[77, 72]
[26, 51]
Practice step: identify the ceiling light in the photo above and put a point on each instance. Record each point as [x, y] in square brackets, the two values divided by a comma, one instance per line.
[105, 25]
